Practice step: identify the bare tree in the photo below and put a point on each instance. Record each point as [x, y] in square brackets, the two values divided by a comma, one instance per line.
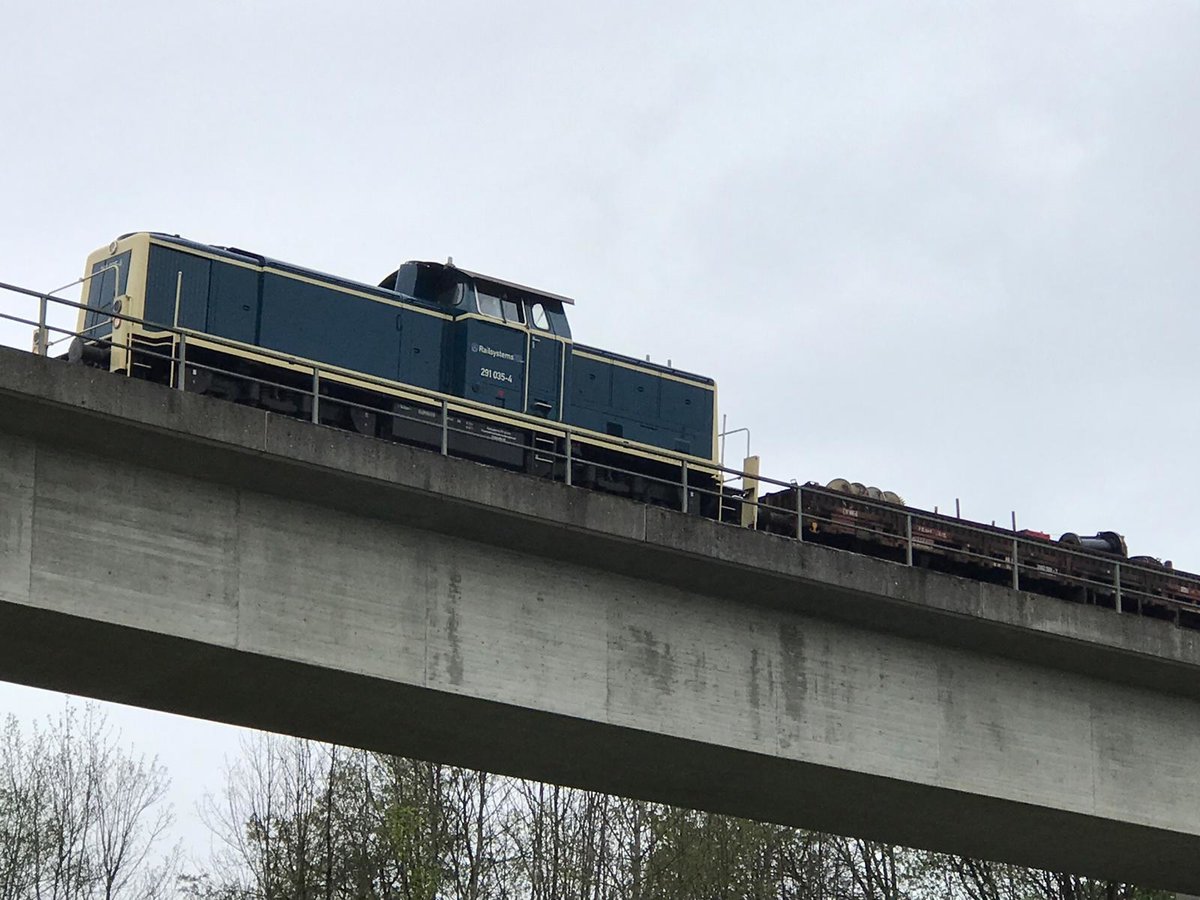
[22, 797]
[974, 879]
[874, 867]
[80, 817]
[131, 817]
[269, 819]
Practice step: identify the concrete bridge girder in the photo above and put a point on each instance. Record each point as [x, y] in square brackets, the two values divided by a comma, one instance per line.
[184, 554]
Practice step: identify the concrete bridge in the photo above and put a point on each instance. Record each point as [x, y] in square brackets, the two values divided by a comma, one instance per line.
[185, 554]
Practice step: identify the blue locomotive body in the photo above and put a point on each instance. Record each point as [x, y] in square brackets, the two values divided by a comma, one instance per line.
[505, 349]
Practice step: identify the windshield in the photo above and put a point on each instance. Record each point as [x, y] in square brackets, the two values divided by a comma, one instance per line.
[110, 277]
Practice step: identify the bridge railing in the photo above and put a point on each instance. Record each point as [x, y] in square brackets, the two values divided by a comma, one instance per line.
[890, 530]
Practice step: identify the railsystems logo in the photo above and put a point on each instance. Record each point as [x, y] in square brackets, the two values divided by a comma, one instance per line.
[495, 354]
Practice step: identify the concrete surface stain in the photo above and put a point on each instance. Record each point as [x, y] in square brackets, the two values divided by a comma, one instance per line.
[456, 660]
[795, 680]
[654, 658]
[998, 734]
[954, 718]
[755, 699]
[699, 667]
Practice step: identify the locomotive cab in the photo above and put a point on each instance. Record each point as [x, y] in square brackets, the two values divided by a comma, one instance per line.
[459, 291]
[509, 342]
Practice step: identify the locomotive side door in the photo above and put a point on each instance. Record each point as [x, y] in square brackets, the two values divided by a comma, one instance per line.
[545, 367]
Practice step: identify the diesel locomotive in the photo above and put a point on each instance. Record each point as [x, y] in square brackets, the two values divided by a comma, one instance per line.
[480, 367]
[496, 358]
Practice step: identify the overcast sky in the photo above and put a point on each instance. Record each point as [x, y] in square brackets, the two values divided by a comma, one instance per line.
[949, 249]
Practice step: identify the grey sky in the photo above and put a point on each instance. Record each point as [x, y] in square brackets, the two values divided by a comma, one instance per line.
[949, 249]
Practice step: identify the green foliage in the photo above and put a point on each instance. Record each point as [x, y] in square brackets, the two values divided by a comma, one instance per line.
[416, 826]
[710, 857]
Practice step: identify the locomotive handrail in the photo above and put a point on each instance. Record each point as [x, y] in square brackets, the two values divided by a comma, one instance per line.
[390, 385]
[1014, 557]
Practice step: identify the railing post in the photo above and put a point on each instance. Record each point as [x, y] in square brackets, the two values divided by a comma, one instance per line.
[445, 428]
[1016, 581]
[567, 451]
[799, 513]
[182, 372]
[1117, 584]
[684, 476]
[908, 539]
[316, 392]
[43, 333]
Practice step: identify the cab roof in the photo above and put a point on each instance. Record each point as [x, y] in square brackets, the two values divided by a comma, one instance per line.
[486, 279]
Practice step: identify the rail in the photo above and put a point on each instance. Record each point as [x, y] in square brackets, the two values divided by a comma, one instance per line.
[1020, 564]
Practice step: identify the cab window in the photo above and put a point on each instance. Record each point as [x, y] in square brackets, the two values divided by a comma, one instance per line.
[547, 315]
[489, 304]
[512, 310]
[500, 306]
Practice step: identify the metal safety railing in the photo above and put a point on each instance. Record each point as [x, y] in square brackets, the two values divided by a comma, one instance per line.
[700, 485]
